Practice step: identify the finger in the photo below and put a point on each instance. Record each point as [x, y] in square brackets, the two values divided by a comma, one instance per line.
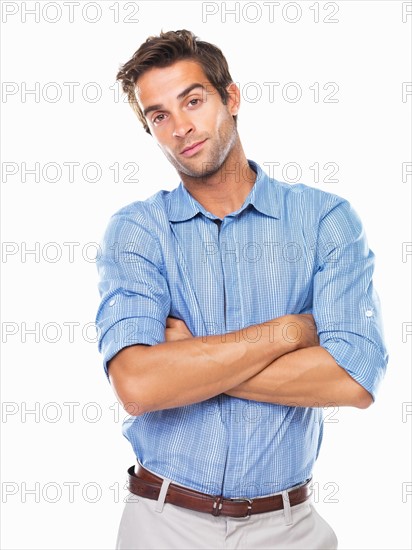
[307, 316]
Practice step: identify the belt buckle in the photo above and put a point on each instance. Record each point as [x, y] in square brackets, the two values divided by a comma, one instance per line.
[249, 504]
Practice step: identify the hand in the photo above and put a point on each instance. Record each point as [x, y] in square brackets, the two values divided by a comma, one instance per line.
[303, 327]
[176, 329]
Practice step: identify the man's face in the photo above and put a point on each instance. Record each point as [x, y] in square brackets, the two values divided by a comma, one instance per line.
[187, 117]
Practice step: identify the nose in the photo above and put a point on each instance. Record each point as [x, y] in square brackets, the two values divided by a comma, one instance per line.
[183, 125]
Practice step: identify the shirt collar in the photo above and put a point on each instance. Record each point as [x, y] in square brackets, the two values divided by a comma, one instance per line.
[263, 197]
[264, 193]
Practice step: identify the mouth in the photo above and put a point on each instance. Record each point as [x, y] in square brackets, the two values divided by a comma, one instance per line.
[192, 149]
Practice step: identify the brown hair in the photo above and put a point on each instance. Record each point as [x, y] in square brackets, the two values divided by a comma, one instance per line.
[166, 49]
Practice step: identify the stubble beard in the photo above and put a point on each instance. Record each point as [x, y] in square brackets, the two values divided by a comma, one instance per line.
[217, 156]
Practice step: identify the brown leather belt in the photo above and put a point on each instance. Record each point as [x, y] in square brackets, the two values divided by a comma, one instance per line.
[147, 485]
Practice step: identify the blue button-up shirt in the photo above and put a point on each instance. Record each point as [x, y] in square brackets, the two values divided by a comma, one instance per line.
[288, 249]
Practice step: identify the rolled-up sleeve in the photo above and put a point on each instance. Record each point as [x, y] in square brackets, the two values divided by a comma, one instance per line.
[346, 307]
[135, 299]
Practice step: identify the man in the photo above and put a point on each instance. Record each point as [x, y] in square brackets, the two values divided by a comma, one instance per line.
[233, 309]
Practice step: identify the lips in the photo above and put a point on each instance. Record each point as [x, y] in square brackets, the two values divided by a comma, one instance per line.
[192, 149]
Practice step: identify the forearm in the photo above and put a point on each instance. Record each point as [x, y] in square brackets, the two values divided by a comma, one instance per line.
[307, 377]
[177, 373]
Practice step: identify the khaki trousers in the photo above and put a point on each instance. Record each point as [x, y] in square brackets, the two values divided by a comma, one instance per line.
[149, 524]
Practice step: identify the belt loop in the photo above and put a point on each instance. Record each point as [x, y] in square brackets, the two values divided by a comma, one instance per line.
[287, 512]
[162, 495]
[217, 506]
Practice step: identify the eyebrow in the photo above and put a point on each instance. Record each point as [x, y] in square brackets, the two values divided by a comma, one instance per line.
[181, 95]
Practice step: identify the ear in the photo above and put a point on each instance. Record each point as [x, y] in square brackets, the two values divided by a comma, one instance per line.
[233, 102]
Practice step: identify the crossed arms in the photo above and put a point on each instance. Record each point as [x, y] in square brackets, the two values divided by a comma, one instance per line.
[288, 370]
[340, 360]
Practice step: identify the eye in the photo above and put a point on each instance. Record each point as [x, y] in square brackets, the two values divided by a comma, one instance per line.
[158, 118]
[194, 102]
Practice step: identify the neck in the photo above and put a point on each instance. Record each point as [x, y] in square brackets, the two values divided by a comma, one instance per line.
[224, 191]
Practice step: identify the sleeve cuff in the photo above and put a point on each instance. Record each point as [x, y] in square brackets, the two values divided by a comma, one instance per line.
[366, 365]
[128, 332]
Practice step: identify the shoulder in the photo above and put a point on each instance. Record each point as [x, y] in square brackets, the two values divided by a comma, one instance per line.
[154, 206]
[152, 214]
[141, 221]
[330, 216]
[314, 208]
[308, 200]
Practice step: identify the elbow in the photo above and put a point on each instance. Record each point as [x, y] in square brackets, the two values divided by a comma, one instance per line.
[362, 399]
[355, 395]
[137, 396]
[133, 407]
[132, 404]
[129, 383]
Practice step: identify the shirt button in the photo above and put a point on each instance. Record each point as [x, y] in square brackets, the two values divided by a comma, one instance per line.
[112, 302]
[368, 313]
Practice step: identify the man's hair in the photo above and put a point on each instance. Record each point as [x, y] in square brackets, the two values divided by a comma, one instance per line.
[164, 50]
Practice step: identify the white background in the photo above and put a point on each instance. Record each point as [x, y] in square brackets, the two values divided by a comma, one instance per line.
[363, 473]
